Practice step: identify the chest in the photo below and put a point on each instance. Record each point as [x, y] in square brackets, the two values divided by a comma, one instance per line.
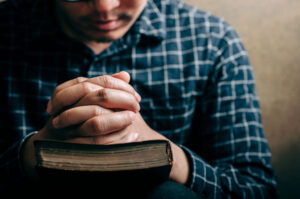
[168, 86]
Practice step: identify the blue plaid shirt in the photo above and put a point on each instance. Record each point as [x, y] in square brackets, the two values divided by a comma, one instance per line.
[190, 67]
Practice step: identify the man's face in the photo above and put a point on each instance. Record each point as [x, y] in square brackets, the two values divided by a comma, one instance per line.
[98, 20]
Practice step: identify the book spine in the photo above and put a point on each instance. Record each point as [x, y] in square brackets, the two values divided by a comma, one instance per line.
[169, 152]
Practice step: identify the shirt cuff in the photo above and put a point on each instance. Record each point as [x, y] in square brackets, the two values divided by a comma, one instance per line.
[20, 148]
[197, 170]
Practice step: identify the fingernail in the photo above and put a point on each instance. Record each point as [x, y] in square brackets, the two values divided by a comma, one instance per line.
[49, 107]
[55, 122]
[138, 97]
[132, 115]
[137, 108]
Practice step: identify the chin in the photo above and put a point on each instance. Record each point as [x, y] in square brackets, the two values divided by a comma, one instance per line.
[107, 37]
[104, 40]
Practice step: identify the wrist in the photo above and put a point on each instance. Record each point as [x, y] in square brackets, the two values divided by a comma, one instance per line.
[180, 169]
[28, 160]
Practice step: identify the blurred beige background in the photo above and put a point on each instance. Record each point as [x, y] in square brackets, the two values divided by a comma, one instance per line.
[270, 30]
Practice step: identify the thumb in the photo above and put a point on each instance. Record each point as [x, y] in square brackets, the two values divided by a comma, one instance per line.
[123, 75]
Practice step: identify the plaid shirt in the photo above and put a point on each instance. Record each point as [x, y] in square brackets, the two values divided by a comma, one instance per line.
[192, 72]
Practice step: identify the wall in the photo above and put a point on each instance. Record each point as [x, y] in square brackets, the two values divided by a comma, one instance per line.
[271, 33]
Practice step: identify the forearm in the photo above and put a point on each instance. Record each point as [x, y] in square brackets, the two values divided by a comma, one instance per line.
[11, 167]
[221, 180]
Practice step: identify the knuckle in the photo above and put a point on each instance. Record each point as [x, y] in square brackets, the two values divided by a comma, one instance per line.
[134, 105]
[97, 110]
[106, 81]
[56, 92]
[80, 79]
[65, 116]
[60, 100]
[86, 87]
[103, 94]
[98, 126]
[131, 90]
[128, 117]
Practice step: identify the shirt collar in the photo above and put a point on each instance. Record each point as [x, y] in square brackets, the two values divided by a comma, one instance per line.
[151, 22]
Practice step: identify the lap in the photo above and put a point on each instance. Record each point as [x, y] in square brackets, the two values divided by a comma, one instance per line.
[163, 190]
[170, 190]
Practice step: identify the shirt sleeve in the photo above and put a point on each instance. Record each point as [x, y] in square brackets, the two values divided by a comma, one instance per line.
[229, 156]
[11, 169]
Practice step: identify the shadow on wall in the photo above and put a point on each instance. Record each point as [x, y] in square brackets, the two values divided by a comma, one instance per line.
[271, 33]
[289, 166]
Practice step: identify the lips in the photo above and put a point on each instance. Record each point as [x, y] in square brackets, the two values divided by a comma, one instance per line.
[107, 25]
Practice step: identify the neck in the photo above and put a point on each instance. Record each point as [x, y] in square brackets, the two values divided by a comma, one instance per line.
[97, 47]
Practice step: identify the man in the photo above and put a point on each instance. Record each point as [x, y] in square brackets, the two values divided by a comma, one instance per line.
[188, 80]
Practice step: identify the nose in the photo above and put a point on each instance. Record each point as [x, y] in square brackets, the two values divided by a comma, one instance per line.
[106, 5]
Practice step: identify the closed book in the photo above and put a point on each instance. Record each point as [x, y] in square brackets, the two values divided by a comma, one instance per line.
[138, 163]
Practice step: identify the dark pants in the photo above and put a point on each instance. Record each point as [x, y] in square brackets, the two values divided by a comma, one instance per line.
[170, 190]
[164, 190]
[82, 189]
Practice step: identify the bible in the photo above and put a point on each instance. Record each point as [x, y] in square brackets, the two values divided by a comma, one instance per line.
[137, 162]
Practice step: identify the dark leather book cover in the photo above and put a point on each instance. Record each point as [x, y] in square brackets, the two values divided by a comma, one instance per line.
[69, 165]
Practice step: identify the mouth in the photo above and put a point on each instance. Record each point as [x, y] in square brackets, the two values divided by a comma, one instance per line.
[107, 25]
